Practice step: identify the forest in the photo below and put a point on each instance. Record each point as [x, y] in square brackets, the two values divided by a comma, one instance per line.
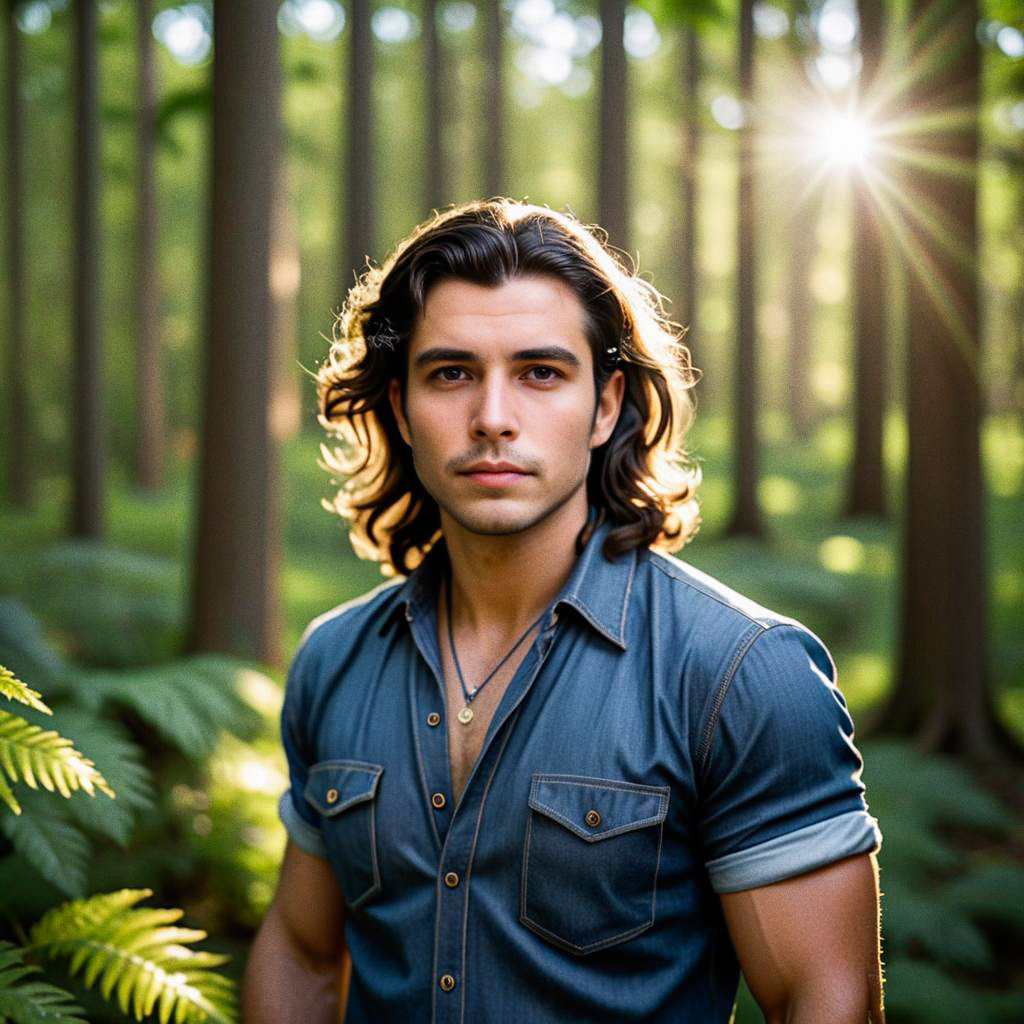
[828, 193]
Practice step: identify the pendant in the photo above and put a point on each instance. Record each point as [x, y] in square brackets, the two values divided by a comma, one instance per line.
[465, 716]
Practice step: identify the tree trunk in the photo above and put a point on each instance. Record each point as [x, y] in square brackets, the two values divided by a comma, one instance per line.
[494, 97]
[867, 476]
[691, 168]
[150, 416]
[803, 223]
[19, 434]
[87, 427]
[613, 179]
[285, 278]
[434, 181]
[746, 514]
[235, 578]
[942, 693]
[359, 205]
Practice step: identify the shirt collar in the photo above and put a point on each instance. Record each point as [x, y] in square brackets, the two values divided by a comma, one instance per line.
[598, 589]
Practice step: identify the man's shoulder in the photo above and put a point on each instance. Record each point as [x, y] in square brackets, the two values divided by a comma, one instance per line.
[697, 594]
[350, 617]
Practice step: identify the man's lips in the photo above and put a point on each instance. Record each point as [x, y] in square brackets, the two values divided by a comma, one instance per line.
[494, 474]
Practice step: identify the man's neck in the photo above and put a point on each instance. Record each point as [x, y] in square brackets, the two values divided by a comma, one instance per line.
[501, 584]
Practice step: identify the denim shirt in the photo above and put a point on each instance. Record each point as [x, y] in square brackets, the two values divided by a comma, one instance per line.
[664, 740]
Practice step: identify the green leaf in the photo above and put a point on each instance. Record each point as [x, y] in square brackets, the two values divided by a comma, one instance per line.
[23, 647]
[14, 689]
[121, 762]
[54, 847]
[42, 757]
[31, 1002]
[137, 957]
[188, 701]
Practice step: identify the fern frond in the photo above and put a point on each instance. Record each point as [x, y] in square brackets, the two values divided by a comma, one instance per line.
[13, 688]
[57, 850]
[188, 701]
[42, 757]
[120, 761]
[138, 956]
[31, 1002]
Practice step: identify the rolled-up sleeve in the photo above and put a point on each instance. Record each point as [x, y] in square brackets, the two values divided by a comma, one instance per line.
[781, 790]
[300, 820]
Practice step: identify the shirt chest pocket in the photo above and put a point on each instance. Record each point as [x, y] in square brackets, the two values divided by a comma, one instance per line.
[344, 793]
[590, 860]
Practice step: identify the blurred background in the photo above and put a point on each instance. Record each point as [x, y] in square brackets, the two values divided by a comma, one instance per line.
[829, 193]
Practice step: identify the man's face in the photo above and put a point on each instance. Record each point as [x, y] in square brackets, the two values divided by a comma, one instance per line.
[499, 409]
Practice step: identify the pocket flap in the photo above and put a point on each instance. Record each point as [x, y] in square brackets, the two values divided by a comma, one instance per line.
[334, 786]
[597, 809]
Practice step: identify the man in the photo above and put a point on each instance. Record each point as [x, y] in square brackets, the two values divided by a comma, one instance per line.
[554, 774]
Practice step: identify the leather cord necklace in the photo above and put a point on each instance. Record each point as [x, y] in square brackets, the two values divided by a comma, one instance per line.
[465, 715]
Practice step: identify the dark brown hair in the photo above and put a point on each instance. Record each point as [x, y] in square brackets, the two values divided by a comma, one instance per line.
[640, 480]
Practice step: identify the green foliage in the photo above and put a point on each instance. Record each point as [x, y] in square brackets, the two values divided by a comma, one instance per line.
[943, 886]
[31, 1002]
[37, 756]
[56, 849]
[123, 609]
[139, 956]
[205, 699]
[14, 689]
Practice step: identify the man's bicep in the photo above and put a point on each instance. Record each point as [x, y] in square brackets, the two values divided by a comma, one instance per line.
[310, 905]
[809, 945]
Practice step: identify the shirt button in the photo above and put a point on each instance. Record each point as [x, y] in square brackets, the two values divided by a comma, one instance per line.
[451, 879]
[592, 818]
[433, 719]
[447, 983]
[438, 800]
[332, 796]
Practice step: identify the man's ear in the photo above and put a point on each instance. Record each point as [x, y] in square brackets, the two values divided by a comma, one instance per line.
[609, 405]
[395, 397]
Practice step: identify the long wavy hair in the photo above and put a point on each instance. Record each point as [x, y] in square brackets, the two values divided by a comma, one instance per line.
[640, 480]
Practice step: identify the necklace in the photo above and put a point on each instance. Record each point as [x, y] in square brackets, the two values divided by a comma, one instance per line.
[465, 715]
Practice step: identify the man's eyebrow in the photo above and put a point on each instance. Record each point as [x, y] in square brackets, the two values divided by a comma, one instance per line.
[444, 355]
[544, 354]
[547, 354]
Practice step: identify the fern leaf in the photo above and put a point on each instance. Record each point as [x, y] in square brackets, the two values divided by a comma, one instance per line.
[42, 757]
[120, 761]
[23, 645]
[188, 701]
[13, 688]
[138, 958]
[7, 796]
[54, 847]
[31, 1002]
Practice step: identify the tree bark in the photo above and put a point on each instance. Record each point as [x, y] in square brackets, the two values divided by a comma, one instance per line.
[803, 222]
[88, 459]
[494, 97]
[942, 696]
[613, 178]
[20, 434]
[235, 607]
[150, 415]
[359, 205]
[434, 180]
[746, 514]
[285, 278]
[691, 168]
[866, 495]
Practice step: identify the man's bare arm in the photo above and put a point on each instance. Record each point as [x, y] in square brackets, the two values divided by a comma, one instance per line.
[294, 971]
[809, 946]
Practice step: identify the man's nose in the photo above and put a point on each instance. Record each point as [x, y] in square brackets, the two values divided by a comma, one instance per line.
[494, 417]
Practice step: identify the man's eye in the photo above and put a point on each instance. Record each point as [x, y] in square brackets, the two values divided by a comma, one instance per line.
[449, 373]
[544, 373]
